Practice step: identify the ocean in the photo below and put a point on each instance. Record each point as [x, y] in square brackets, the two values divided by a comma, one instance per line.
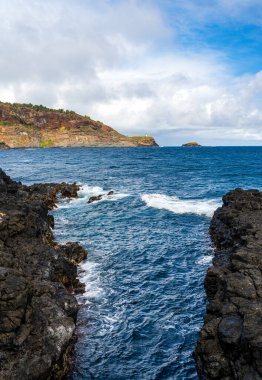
[148, 247]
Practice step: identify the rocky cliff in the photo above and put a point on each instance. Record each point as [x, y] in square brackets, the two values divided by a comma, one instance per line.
[25, 125]
[37, 276]
[230, 343]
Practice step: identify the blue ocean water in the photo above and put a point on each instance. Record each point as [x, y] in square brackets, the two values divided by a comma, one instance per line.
[148, 246]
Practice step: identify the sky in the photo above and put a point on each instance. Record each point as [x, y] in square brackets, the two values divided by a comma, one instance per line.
[179, 70]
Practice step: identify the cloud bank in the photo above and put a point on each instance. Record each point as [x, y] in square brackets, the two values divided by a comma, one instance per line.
[129, 66]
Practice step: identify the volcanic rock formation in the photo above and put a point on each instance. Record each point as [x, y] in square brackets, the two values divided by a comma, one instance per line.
[25, 125]
[37, 276]
[230, 342]
[192, 144]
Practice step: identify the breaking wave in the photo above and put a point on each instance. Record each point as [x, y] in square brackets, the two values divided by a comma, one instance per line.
[181, 206]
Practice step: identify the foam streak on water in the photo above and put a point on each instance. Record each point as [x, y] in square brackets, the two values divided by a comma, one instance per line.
[148, 245]
[182, 206]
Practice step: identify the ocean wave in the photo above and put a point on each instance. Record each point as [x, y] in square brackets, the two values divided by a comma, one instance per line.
[87, 191]
[89, 274]
[181, 206]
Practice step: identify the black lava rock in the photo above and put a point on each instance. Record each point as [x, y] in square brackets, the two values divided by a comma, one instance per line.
[230, 342]
[37, 307]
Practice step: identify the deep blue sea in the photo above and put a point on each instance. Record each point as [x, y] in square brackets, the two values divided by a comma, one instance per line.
[148, 245]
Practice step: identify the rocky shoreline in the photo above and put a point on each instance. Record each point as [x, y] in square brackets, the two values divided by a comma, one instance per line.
[38, 278]
[230, 342]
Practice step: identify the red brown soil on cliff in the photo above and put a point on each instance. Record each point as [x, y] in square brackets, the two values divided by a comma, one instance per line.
[27, 125]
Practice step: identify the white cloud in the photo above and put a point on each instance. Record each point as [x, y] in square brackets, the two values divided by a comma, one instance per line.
[192, 94]
[115, 62]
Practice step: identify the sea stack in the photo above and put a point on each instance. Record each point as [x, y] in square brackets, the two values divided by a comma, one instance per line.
[230, 342]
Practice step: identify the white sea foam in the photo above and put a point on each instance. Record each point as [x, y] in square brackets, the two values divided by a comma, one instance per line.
[89, 274]
[205, 260]
[86, 192]
[181, 206]
[115, 197]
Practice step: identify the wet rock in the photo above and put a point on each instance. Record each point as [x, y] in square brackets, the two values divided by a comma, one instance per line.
[96, 198]
[74, 252]
[230, 342]
[37, 312]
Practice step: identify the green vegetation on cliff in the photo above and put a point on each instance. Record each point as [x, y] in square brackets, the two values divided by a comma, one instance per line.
[46, 144]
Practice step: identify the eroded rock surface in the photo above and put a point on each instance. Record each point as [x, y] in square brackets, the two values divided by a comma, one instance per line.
[37, 307]
[230, 342]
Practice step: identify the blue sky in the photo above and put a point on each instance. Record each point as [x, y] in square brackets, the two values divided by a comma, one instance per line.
[220, 27]
[178, 70]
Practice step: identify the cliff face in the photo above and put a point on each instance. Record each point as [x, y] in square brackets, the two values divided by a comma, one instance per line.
[25, 125]
[230, 343]
[37, 307]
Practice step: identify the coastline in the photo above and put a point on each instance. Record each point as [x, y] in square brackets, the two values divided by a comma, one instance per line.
[230, 342]
[38, 278]
[230, 230]
[28, 125]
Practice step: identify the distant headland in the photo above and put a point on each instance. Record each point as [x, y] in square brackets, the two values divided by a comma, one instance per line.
[32, 126]
[192, 144]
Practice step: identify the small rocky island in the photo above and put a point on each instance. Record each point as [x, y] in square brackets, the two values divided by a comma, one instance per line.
[38, 278]
[192, 144]
[230, 343]
[31, 126]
